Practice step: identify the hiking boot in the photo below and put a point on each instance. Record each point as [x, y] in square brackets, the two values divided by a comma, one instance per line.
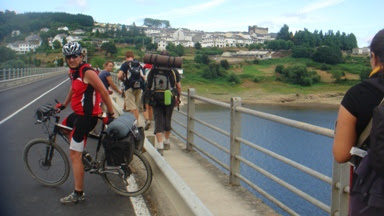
[73, 198]
[167, 146]
[160, 152]
[147, 124]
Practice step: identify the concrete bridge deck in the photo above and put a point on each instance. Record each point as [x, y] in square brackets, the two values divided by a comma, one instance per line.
[205, 181]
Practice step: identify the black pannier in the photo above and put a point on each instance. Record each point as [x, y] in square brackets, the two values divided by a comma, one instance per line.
[122, 137]
[118, 151]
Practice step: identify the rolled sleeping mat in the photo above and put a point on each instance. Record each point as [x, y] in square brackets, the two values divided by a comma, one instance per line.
[120, 127]
[163, 61]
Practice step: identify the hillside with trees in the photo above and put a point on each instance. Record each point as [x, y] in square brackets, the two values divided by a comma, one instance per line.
[33, 21]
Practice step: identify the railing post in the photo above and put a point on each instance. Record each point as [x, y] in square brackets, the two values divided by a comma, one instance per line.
[190, 116]
[340, 183]
[235, 122]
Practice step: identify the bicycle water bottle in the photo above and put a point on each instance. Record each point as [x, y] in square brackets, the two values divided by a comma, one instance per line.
[167, 97]
[87, 156]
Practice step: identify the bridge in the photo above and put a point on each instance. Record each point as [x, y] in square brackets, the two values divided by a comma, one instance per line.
[190, 181]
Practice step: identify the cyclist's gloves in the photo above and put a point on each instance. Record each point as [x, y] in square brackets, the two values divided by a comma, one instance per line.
[59, 107]
[107, 120]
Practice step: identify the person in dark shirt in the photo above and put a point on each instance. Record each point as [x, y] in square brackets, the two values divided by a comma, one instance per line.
[354, 114]
[106, 78]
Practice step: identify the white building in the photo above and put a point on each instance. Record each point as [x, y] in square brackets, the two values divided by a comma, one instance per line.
[64, 28]
[101, 30]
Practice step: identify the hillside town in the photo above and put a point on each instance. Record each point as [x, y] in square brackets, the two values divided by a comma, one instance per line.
[162, 37]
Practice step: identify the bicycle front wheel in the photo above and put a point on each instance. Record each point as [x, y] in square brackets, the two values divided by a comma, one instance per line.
[128, 180]
[47, 163]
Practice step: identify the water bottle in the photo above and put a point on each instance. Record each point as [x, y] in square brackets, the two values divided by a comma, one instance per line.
[87, 156]
[167, 97]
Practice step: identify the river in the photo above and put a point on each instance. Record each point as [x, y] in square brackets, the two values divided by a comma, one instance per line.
[311, 150]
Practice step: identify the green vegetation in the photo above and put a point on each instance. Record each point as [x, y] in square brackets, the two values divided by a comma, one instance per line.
[314, 62]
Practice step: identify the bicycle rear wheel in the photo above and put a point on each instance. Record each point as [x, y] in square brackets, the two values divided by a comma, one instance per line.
[128, 180]
[47, 163]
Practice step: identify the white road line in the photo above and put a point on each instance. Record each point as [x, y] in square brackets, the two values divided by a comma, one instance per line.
[22, 108]
[139, 206]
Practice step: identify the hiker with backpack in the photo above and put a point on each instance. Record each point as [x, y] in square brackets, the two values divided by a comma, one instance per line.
[362, 143]
[131, 73]
[164, 90]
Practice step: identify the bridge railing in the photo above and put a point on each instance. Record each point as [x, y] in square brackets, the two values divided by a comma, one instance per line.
[7, 74]
[339, 180]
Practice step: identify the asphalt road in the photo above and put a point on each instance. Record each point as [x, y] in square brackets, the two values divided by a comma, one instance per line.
[19, 193]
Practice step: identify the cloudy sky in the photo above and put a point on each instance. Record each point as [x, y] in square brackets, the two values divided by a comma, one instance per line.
[362, 18]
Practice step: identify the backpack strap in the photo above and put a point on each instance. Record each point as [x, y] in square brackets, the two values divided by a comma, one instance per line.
[364, 135]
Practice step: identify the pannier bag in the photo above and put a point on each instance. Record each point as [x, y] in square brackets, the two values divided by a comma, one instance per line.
[118, 151]
[122, 137]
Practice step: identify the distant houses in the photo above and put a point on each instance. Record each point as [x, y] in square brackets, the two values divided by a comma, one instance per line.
[361, 51]
[161, 36]
[31, 43]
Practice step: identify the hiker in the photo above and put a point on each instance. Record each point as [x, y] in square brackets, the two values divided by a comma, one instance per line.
[355, 112]
[164, 85]
[131, 73]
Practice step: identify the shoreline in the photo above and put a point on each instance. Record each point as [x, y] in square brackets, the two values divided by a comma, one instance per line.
[327, 100]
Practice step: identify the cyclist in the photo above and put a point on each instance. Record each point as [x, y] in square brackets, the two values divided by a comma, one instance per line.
[84, 96]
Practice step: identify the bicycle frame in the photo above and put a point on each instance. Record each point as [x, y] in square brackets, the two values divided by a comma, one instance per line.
[58, 130]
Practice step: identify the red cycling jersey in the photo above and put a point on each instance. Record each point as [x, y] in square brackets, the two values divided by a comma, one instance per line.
[85, 100]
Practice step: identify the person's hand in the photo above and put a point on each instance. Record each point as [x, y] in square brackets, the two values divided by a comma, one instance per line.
[107, 120]
[59, 107]
[177, 102]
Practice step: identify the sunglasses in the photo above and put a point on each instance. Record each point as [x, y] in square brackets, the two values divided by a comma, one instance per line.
[71, 57]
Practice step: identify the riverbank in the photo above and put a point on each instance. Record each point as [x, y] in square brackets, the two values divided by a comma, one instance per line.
[326, 100]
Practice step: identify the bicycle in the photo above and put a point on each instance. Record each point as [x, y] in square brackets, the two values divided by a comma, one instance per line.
[49, 165]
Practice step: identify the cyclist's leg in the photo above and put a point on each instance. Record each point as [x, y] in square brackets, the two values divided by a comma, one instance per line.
[68, 121]
[81, 127]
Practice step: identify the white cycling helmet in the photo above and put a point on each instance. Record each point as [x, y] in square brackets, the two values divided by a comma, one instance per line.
[72, 48]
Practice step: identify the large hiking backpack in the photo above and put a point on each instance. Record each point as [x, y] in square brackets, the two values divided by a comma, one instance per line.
[123, 136]
[161, 87]
[369, 185]
[135, 80]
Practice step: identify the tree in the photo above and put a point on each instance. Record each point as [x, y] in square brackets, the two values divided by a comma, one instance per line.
[202, 58]
[6, 54]
[225, 64]
[56, 44]
[329, 55]
[14, 63]
[284, 34]
[197, 45]
[109, 47]
[298, 74]
[180, 50]
[302, 51]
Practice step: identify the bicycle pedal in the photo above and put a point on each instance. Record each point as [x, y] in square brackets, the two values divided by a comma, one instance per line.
[94, 170]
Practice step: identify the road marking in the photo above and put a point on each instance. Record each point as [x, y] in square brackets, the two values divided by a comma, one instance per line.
[138, 203]
[22, 108]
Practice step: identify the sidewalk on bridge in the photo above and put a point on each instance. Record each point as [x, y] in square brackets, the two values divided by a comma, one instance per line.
[209, 184]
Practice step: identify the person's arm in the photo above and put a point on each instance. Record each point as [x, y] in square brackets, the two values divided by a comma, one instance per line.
[345, 135]
[68, 98]
[112, 84]
[120, 75]
[94, 80]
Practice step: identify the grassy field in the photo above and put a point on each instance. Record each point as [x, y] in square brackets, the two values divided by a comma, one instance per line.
[256, 79]
[265, 82]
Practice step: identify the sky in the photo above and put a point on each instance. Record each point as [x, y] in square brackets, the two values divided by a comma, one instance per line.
[363, 18]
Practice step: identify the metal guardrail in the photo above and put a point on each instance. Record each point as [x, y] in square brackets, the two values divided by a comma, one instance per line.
[7, 74]
[339, 180]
